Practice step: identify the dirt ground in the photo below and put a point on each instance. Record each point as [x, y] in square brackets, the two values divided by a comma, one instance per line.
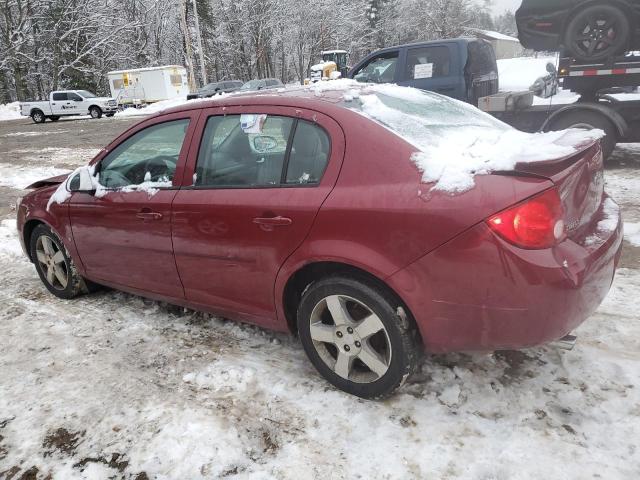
[113, 386]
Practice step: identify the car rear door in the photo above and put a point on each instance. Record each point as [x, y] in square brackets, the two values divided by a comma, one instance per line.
[252, 189]
[123, 236]
[433, 67]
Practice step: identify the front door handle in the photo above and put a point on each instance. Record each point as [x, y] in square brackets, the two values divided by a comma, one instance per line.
[273, 221]
[147, 214]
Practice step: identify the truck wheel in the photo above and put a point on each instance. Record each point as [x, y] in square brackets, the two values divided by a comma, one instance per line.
[95, 112]
[598, 33]
[588, 120]
[38, 117]
[54, 118]
[109, 114]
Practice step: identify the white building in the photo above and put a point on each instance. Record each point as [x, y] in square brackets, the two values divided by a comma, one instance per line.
[148, 85]
[503, 45]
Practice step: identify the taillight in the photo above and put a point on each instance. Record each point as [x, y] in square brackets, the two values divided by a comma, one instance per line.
[535, 223]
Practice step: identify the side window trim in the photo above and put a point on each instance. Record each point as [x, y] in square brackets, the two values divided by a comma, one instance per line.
[287, 155]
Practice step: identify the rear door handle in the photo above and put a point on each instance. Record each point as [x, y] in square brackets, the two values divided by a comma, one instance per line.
[147, 214]
[273, 221]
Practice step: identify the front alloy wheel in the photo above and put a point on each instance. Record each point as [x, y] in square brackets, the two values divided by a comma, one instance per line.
[54, 265]
[357, 335]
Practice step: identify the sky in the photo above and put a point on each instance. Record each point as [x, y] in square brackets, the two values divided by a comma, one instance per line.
[501, 5]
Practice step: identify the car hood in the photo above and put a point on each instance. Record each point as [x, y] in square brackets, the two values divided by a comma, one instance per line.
[100, 99]
[47, 182]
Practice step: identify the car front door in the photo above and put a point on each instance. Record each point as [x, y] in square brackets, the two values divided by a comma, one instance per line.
[432, 68]
[123, 233]
[76, 103]
[259, 177]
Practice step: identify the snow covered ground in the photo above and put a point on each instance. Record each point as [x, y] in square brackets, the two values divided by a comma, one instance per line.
[114, 386]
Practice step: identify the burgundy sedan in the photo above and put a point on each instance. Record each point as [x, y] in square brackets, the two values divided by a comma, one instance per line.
[302, 211]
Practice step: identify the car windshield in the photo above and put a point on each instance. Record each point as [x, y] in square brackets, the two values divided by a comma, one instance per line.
[86, 94]
[250, 85]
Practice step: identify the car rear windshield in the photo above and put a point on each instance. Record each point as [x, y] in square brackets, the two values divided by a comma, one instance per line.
[417, 115]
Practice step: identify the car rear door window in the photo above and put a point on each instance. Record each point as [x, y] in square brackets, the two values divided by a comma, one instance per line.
[243, 151]
[150, 155]
[380, 69]
[309, 154]
[59, 96]
[427, 62]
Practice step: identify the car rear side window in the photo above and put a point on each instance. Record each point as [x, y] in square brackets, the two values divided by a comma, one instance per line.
[427, 62]
[58, 97]
[150, 155]
[243, 151]
[309, 154]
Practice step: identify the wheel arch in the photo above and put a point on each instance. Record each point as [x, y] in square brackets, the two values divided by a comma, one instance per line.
[35, 109]
[27, 231]
[93, 105]
[614, 117]
[304, 276]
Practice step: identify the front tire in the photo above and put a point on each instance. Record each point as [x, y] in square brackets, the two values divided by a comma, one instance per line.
[597, 33]
[95, 112]
[38, 117]
[54, 265]
[356, 336]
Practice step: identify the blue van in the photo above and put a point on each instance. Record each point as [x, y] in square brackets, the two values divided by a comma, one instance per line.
[462, 68]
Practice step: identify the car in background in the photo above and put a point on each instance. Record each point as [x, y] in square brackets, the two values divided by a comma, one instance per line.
[216, 88]
[261, 84]
[66, 103]
[462, 68]
[588, 30]
[306, 210]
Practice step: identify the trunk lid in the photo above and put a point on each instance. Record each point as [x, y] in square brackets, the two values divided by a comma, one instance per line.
[579, 179]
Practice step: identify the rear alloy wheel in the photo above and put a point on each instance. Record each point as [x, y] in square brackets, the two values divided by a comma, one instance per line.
[598, 33]
[355, 336]
[38, 117]
[53, 264]
[95, 112]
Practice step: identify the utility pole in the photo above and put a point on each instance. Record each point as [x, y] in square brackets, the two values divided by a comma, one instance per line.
[203, 67]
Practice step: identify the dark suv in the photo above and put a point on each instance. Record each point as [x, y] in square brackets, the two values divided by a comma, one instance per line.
[585, 29]
[461, 68]
[216, 88]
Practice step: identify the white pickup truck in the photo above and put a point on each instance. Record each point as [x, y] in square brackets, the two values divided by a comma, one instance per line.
[65, 103]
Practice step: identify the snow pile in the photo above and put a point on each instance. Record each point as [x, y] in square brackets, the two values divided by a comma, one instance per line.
[21, 177]
[456, 141]
[10, 111]
[632, 233]
[608, 224]
[160, 106]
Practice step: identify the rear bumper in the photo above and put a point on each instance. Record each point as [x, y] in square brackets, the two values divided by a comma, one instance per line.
[479, 293]
[541, 31]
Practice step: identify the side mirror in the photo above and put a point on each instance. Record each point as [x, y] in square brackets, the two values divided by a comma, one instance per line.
[81, 182]
[551, 68]
[264, 143]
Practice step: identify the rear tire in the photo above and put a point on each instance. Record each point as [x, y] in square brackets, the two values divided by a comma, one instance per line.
[95, 112]
[54, 265]
[354, 335]
[588, 120]
[54, 118]
[597, 33]
[38, 117]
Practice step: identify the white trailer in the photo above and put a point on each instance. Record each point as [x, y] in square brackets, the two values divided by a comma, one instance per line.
[147, 85]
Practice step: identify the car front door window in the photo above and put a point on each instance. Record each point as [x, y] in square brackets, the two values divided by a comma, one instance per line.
[381, 69]
[150, 155]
